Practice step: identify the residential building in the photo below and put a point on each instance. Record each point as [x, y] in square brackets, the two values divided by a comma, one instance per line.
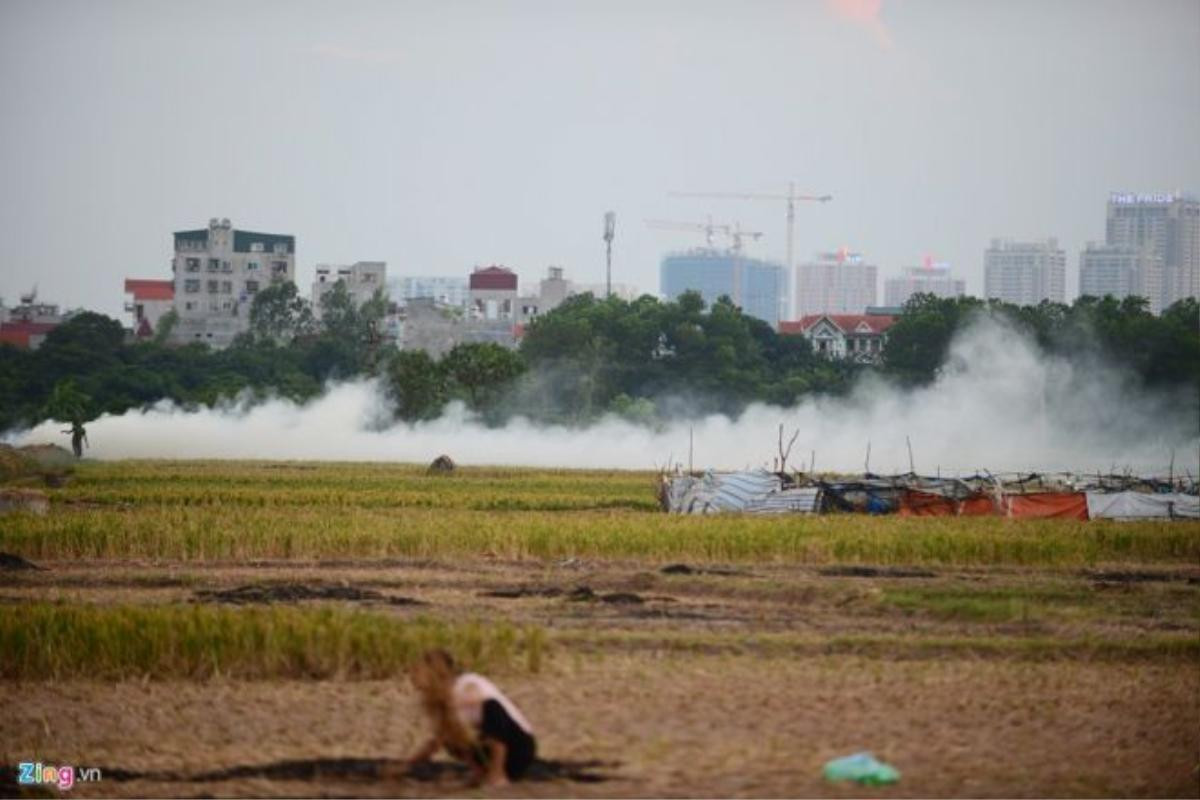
[218, 271]
[492, 294]
[931, 277]
[1025, 273]
[857, 337]
[362, 279]
[758, 287]
[27, 324]
[1167, 224]
[1121, 272]
[149, 301]
[443, 290]
[836, 283]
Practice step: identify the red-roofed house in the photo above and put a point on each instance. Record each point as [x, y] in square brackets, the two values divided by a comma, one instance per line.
[151, 299]
[859, 337]
[26, 335]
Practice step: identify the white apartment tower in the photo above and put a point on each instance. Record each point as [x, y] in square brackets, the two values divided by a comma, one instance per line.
[1025, 273]
[218, 271]
[929, 278]
[1121, 272]
[362, 279]
[1167, 225]
[835, 283]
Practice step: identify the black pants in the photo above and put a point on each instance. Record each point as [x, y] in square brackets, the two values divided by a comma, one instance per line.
[520, 748]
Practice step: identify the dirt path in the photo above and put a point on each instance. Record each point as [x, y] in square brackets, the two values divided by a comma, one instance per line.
[695, 726]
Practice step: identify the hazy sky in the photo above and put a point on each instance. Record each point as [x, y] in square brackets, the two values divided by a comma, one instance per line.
[441, 135]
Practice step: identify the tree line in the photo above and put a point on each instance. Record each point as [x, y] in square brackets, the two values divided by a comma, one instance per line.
[646, 360]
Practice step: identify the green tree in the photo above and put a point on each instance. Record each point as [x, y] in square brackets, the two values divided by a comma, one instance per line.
[416, 385]
[480, 373]
[280, 315]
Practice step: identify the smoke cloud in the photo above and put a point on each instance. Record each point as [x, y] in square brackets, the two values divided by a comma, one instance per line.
[999, 403]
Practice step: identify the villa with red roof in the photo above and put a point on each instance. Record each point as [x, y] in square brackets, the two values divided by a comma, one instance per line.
[858, 337]
[150, 300]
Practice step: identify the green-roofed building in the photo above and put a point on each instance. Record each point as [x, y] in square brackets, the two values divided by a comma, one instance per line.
[218, 270]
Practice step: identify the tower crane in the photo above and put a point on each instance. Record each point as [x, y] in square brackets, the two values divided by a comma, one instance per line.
[791, 197]
[709, 229]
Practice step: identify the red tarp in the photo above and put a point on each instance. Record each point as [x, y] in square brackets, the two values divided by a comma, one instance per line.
[1063, 505]
[925, 504]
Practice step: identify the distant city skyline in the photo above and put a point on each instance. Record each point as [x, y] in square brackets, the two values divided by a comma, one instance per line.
[438, 137]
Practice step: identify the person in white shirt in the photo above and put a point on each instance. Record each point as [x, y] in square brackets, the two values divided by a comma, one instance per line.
[472, 720]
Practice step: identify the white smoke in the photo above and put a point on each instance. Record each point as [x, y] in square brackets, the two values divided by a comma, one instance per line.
[999, 404]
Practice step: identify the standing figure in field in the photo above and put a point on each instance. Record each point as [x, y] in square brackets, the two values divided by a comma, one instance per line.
[79, 438]
[472, 720]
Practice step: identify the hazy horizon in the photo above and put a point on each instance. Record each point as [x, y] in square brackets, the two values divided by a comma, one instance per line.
[439, 136]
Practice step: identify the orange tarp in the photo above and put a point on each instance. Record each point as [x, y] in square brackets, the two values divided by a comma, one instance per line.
[925, 504]
[1064, 505]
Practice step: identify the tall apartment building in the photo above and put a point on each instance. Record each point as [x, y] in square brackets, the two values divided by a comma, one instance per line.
[1167, 225]
[362, 280]
[1120, 272]
[218, 270]
[930, 278]
[759, 288]
[1025, 273]
[836, 283]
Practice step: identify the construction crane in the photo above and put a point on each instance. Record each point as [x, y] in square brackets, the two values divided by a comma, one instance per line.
[709, 229]
[791, 197]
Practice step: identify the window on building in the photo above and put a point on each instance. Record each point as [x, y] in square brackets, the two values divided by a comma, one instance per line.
[191, 286]
[279, 267]
[226, 287]
[226, 266]
[189, 305]
[252, 265]
[227, 305]
[251, 287]
[256, 247]
[212, 287]
[193, 265]
[280, 247]
[214, 264]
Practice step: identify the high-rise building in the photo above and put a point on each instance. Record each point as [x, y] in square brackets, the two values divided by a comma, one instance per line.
[1167, 225]
[759, 288]
[1025, 273]
[218, 271]
[1120, 272]
[836, 283]
[362, 279]
[929, 278]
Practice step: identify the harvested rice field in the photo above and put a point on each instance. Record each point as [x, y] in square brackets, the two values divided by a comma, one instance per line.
[244, 629]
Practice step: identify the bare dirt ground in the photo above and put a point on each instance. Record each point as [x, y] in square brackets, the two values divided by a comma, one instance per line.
[719, 718]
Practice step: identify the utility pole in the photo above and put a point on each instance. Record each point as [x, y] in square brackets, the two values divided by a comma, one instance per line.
[610, 229]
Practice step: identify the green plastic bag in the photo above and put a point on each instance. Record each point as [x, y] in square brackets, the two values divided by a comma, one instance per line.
[862, 767]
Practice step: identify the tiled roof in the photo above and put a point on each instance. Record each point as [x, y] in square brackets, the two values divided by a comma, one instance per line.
[494, 278]
[846, 323]
[150, 290]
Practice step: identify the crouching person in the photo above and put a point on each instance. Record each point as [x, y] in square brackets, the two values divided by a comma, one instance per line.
[472, 720]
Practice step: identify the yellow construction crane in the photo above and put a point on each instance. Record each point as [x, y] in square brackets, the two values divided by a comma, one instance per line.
[791, 197]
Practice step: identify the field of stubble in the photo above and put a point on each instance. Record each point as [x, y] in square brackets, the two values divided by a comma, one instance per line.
[242, 629]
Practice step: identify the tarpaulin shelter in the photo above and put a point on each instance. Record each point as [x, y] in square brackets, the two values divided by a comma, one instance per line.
[1139, 505]
[1061, 505]
[915, 503]
[755, 492]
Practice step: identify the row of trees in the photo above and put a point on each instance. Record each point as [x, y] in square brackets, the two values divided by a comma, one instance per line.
[645, 360]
